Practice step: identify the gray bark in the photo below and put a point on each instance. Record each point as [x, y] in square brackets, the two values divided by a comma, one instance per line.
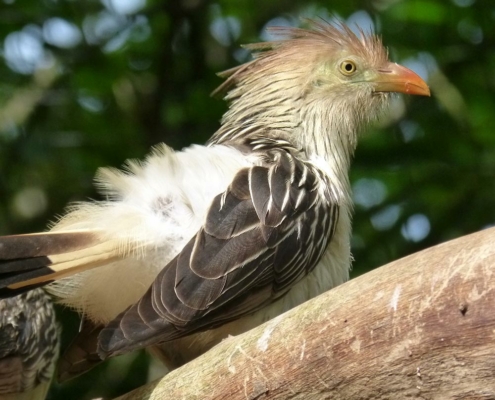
[422, 327]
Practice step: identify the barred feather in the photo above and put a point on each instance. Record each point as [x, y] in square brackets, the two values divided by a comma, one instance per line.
[29, 342]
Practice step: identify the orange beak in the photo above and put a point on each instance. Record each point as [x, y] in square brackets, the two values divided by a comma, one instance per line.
[396, 78]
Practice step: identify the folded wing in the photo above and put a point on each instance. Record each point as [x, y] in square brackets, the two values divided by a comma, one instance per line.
[261, 236]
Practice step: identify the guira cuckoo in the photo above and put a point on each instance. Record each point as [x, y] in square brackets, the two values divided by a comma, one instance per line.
[193, 245]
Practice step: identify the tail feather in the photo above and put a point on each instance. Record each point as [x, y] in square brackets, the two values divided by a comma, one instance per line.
[42, 244]
[82, 354]
[28, 261]
[12, 266]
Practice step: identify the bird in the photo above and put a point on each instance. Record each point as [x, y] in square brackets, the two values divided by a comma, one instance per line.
[188, 247]
[29, 345]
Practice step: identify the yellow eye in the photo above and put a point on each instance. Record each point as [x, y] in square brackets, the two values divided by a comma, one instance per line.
[347, 67]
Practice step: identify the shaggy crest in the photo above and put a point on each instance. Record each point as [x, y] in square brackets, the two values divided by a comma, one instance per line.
[299, 46]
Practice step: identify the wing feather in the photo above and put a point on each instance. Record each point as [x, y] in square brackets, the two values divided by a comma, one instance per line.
[267, 231]
[233, 218]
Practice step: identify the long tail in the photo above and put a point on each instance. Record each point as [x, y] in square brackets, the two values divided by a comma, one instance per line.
[33, 260]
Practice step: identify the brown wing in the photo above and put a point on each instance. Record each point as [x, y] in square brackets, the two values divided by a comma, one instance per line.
[262, 235]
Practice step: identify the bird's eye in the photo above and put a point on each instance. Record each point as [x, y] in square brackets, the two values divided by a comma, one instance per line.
[347, 67]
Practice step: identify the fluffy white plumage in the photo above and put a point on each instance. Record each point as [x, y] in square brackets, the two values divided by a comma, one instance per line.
[155, 208]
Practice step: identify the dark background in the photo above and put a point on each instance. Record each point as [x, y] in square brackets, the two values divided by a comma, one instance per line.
[86, 83]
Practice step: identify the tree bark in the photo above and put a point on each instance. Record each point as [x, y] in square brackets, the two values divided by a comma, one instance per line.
[422, 327]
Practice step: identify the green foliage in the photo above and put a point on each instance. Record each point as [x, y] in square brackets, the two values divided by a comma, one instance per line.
[113, 83]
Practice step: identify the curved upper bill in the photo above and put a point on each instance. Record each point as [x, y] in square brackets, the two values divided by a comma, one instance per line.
[396, 78]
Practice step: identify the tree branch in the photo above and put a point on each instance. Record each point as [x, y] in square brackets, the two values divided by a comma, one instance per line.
[420, 327]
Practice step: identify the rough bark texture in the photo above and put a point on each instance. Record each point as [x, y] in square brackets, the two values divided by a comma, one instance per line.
[422, 327]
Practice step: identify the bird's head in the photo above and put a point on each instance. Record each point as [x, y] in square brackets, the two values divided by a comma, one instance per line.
[317, 84]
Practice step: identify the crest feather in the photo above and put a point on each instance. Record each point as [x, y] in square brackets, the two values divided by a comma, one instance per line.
[298, 45]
